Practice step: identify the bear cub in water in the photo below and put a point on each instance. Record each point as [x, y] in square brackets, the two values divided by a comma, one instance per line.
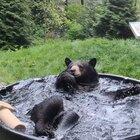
[77, 74]
[50, 117]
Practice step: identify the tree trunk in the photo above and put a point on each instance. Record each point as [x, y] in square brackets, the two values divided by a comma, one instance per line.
[82, 2]
[66, 2]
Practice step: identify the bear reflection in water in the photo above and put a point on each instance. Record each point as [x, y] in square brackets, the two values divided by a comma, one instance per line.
[50, 116]
[77, 75]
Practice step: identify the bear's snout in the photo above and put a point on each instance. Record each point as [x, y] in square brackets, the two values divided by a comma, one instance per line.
[72, 71]
[75, 70]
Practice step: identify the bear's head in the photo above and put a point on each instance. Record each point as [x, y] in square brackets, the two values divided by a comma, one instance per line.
[84, 72]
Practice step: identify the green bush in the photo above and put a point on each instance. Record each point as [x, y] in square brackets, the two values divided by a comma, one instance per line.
[49, 17]
[115, 20]
[84, 19]
[74, 12]
[91, 16]
[14, 24]
[75, 31]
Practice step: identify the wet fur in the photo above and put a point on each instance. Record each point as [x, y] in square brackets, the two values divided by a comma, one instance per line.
[49, 116]
[67, 82]
[86, 75]
[44, 113]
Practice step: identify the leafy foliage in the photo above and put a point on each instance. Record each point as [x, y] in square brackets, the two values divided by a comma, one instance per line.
[22, 20]
[75, 31]
[14, 24]
[115, 20]
[49, 16]
[92, 14]
[86, 18]
[74, 12]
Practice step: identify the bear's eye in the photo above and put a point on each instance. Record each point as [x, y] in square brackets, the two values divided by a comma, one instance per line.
[81, 67]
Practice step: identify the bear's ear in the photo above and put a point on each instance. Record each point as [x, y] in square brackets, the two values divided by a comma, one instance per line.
[92, 62]
[67, 61]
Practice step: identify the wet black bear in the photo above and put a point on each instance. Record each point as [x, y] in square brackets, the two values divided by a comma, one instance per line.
[67, 82]
[44, 113]
[77, 74]
[50, 116]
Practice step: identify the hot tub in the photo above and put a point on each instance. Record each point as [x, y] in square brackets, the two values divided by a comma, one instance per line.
[101, 115]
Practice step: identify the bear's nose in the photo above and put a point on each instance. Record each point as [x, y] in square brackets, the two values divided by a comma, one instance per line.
[72, 71]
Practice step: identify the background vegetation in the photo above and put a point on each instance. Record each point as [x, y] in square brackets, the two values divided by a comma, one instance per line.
[138, 9]
[14, 23]
[23, 20]
[29, 32]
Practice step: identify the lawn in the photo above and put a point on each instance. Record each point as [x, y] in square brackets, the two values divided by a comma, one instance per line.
[120, 57]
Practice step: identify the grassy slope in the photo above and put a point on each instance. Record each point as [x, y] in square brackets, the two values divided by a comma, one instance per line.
[116, 56]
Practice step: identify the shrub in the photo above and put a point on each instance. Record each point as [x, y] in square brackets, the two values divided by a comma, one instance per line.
[14, 24]
[49, 17]
[74, 12]
[115, 20]
[94, 9]
[75, 31]
[84, 18]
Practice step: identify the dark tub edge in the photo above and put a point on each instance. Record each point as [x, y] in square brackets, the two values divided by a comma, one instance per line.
[15, 134]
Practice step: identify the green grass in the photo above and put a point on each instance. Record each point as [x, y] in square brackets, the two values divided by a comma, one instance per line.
[114, 56]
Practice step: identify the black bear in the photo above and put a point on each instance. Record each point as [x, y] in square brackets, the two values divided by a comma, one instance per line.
[49, 116]
[125, 92]
[65, 121]
[44, 113]
[78, 74]
[66, 81]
